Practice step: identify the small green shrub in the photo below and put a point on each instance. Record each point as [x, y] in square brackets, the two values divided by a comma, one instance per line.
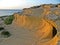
[2, 18]
[9, 20]
[35, 6]
[1, 28]
[5, 34]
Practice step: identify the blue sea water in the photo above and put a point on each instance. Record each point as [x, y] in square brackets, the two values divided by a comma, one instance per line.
[7, 12]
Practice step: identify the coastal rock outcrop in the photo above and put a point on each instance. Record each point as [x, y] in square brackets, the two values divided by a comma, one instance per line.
[40, 20]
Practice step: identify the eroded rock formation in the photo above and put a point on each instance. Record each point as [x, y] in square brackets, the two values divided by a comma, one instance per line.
[34, 19]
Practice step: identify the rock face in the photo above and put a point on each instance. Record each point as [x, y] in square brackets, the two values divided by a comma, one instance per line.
[40, 20]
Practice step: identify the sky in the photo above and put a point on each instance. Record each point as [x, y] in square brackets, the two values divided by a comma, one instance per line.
[20, 4]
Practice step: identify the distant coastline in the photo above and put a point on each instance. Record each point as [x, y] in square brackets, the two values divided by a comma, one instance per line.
[7, 12]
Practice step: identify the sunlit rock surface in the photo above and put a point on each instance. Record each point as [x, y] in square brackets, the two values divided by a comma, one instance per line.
[40, 21]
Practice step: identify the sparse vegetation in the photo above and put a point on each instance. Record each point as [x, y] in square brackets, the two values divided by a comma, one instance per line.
[5, 34]
[2, 18]
[35, 7]
[1, 28]
[9, 20]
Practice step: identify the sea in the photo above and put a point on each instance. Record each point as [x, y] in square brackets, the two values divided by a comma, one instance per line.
[7, 12]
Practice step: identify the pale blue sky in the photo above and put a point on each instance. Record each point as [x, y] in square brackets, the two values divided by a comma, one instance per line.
[20, 4]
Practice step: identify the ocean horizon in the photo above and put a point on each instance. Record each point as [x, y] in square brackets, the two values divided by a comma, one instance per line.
[7, 12]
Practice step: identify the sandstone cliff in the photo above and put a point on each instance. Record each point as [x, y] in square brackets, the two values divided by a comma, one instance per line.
[47, 11]
[40, 20]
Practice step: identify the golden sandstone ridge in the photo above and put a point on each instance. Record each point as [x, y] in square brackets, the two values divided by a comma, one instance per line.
[36, 19]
